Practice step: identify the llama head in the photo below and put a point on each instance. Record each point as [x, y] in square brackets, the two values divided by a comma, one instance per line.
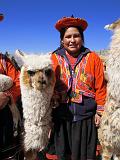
[36, 71]
[115, 38]
[113, 25]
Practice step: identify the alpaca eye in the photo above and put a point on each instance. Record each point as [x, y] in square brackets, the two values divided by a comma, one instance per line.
[48, 72]
[31, 73]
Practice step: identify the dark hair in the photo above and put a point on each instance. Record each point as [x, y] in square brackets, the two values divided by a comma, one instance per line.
[62, 32]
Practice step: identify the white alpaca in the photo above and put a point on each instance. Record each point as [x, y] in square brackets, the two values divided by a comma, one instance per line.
[37, 82]
[109, 131]
[6, 83]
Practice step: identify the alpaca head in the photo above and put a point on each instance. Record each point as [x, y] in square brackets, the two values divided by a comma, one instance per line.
[113, 25]
[114, 45]
[41, 78]
[36, 71]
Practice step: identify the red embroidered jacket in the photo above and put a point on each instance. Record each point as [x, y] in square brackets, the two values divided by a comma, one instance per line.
[87, 78]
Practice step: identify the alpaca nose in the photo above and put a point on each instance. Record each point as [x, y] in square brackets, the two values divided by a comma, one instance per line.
[42, 80]
[48, 72]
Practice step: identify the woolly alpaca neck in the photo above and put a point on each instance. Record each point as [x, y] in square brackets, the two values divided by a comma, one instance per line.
[113, 66]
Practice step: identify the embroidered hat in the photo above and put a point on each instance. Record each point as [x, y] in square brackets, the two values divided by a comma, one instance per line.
[1, 17]
[71, 21]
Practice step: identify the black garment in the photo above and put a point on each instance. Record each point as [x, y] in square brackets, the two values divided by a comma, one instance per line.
[84, 110]
[10, 145]
[6, 127]
[76, 138]
[76, 111]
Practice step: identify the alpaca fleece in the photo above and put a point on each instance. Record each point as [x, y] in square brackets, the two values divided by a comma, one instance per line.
[37, 82]
[5, 82]
[109, 131]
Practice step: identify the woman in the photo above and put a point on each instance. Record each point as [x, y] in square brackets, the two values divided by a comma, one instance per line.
[81, 87]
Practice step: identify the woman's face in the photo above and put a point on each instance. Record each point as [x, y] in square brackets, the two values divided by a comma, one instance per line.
[72, 41]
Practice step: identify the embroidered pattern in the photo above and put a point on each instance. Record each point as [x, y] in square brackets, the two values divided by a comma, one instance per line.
[78, 80]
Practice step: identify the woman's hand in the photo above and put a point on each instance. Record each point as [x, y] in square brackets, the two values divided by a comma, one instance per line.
[4, 99]
[97, 120]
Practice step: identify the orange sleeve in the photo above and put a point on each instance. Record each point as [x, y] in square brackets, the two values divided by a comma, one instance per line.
[56, 68]
[54, 61]
[14, 74]
[55, 64]
[100, 85]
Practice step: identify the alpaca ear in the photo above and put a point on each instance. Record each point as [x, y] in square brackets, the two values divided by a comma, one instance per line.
[19, 57]
[113, 25]
[107, 27]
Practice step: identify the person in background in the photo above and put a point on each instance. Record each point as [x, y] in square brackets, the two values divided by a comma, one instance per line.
[7, 68]
[6, 119]
[81, 88]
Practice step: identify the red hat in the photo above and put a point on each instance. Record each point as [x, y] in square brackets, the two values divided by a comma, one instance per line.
[1, 17]
[71, 21]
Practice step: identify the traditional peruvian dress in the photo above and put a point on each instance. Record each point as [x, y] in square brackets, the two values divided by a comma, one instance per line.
[82, 90]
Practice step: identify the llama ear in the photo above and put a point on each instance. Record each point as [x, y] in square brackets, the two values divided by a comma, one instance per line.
[20, 53]
[107, 27]
[19, 57]
[113, 25]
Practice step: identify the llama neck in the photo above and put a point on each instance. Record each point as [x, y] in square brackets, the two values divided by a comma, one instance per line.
[35, 103]
[115, 43]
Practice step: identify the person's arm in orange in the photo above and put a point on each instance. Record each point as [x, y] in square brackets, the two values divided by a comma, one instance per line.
[11, 71]
[100, 87]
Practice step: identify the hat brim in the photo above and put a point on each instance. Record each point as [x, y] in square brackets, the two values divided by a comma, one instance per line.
[1, 17]
[71, 21]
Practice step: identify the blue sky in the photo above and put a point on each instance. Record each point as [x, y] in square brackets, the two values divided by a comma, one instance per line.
[29, 24]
